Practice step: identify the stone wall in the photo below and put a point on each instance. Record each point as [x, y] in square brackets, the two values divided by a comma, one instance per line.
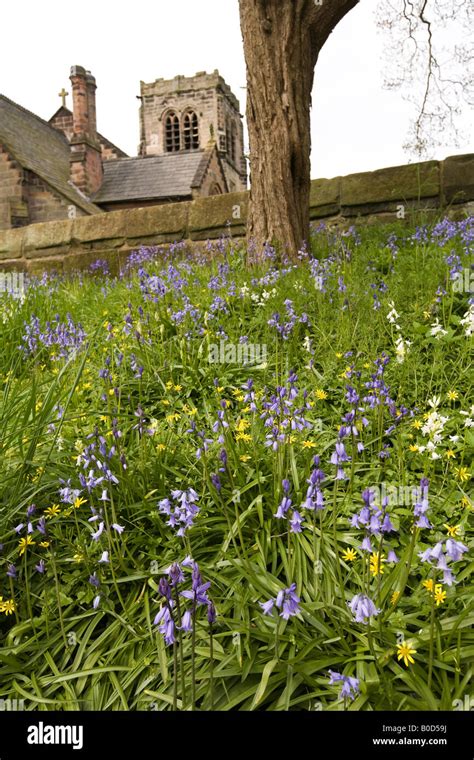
[12, 206]
[415, 192]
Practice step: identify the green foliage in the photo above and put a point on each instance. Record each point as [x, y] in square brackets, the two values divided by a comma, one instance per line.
[154, 330]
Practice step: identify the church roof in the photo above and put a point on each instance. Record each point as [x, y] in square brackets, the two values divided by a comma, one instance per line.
[40, 148]
[173, 175]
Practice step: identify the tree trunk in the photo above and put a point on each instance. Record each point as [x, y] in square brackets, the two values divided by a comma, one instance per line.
[282, 40]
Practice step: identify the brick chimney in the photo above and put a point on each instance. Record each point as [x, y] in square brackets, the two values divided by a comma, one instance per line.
[86, 155]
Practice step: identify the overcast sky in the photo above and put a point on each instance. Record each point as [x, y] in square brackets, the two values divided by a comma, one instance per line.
[356, 125]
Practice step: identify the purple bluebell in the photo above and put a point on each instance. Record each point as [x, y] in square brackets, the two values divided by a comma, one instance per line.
[350, 686]
[362, 608]
[286, 600]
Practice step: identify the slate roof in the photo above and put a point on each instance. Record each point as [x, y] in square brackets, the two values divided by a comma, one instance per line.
[152, 177]
[37, 146]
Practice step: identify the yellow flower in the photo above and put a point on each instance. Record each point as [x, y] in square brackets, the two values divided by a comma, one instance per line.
[416, 424]
[349, 555]
[427, 314]
[172, 417]
[111, 391]
[24, 543]
[169, 385]
[395, 597]
[245, 457]
[465, 502]
[439, 595]
[8, 607]
[44, 544]
[178, 388]
[219, 388]
[405, 651]
[462, 473]
[243, 437]
[309, 444]
[376, 567]
[78, 502]
[367, 366]
[52, 511]
[161, 447]
[242, 425]
[453, 530]
[78, 557]
[449, 454]
[164, 402]
[320, 394]
[338, 355]
[413, 447]
[429, 584]
[452, 395]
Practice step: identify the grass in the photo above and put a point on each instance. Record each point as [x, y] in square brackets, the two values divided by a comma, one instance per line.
[132, 389]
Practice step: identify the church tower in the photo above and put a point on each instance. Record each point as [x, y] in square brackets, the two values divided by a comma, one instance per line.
[185, 113]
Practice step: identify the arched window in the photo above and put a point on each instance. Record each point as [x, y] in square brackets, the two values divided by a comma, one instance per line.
[227, 137]
[190, 131]
[233, 143]
[172, 133]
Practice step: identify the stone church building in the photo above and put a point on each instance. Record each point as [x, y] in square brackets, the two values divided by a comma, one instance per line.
[191, 145]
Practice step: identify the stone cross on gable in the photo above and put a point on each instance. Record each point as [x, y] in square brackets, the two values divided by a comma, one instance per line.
[63, 94]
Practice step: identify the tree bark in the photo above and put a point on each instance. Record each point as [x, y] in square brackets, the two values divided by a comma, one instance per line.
[282, 40]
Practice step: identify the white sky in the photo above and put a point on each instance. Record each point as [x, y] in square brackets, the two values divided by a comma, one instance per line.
[356, 125]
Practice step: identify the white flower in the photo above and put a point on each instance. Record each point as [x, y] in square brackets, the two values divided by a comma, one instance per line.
[434, 402]
[433, 426]
[470, 414]
[393, 315]
[436, 330]
[402, 347]
[468, 321]
[307, 344]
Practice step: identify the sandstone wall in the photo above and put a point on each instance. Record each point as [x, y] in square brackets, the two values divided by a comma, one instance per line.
[418, 192]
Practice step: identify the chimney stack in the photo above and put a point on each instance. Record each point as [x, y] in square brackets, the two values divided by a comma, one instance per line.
[86, 154]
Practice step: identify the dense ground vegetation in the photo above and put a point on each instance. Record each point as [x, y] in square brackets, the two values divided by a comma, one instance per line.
[231, 488]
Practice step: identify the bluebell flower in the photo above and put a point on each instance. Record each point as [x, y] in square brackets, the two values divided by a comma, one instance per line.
[286, 600]
[362, 608]
[99, 532]
[211, 613]
[181, 509]
[187, 621]
[350, 686]
[455, 549]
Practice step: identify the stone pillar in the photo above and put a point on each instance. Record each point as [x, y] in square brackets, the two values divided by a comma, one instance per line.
[86, 155]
